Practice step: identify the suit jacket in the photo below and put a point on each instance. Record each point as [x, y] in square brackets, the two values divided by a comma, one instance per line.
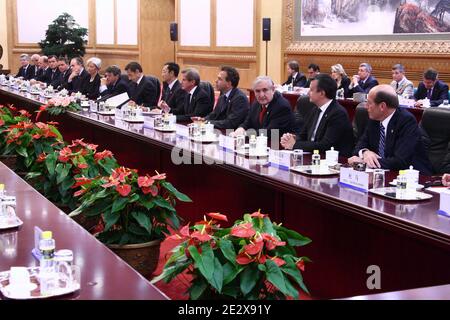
[403, 145]
[44, 75]
[115, 89]
[230, 112]
[62, 82]
[345, 82]
[439, 93]
[144, 94]
[406, 88]
[54, 77]
[34, 71]
[91, 90]
[334, 130]
[364, 86]
[174, 97]
[27, 73]
[80, 82]
[279, 116]
[298, 81]
[199, 106]
[308, 82]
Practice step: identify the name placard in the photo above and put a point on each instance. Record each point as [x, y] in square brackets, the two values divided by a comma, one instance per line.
[119, 113]
[444, 206]
[226, 142]
[280, 158]
[149, 122]
[356, 179]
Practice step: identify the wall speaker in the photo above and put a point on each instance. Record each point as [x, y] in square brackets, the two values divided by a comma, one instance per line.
[174, 31]
[266, 29]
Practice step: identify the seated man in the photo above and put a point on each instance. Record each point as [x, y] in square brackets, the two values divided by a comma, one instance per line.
[328, 125]
[401, 85]
[54, 70]
[25, 70]
[232, 106]
[392, 139]
[313, 71]
[173, 95]
[79, 78]
[141, 90]
[112, 84]
[44, 72]
[271, 113]
[296, 78]
[363, 81]
[196, 102]
[62, 82]
[432, 88]
[34, 64]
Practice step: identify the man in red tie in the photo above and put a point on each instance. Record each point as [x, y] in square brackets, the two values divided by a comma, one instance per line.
[270, 113]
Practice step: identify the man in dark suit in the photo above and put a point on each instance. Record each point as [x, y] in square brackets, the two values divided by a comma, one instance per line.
[54, 71]
[62, 81]
[34, 64]
[79, 78]
[328, 125]
[392, 139]
[173, 96]
[363, 81]
[196, 102]
[432, 89]
[25, 70]
[141, 90]
[232, 106]
[44, 72]
[270, 114]
[313, 71]
[112, 84]
[296, 78]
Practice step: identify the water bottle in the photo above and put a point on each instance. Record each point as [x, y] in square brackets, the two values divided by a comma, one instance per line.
[400, 191]
[47, 275]
[316, 158]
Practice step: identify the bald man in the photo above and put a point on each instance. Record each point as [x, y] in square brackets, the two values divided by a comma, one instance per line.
[392, 139]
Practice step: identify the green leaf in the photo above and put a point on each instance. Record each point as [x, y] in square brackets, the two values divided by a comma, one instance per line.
[143, 220]
[50, 163]
[63, 171]
[110, 219]
[163, 203]
[209, 266]
[22, 151]
[197, 289]
[146, 201]
[228, 250]
[230, 272]
[293, 238]
[180, 196]
[249, 278]
[276, 277]
[291, 269]
[119, 204]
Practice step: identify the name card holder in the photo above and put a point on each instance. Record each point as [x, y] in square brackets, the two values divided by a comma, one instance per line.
[37, 237]
[227, 142]
[444, 207]
[119, 113]
[93, 107]
[358, 180]
[149, 122]
[280, 158]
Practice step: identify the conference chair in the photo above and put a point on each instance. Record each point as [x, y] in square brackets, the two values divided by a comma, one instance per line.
[209, 89]
[435, 124]
[360, 120]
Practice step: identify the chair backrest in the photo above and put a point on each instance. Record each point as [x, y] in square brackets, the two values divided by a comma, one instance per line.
[360, 120]
[436, 124]
[124, 77]
[157, 84]
[209, 89]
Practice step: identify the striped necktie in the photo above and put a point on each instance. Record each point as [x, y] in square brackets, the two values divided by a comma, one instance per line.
[382, 141]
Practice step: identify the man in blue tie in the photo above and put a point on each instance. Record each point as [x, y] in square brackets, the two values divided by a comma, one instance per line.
[392, 139]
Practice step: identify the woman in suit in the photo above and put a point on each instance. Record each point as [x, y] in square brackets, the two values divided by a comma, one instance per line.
[91, 90]
[342, 80]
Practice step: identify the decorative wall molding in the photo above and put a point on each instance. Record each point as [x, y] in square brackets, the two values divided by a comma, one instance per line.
[214, 56]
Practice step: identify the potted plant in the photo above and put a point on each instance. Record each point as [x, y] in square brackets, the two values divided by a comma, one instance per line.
[253, 259]
[58, 105]
[57, 174]
[136, 212]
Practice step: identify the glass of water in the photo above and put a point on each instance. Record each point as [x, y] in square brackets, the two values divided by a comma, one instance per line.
[445, 103]
[297, 158]
[378, 179]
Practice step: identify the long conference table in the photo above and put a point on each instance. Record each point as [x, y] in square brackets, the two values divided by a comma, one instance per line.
[104, 276]
[350, 230]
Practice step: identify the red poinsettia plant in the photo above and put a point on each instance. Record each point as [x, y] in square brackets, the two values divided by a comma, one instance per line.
[133, 208]
[9, 116]
[56, 173]
[253, 259]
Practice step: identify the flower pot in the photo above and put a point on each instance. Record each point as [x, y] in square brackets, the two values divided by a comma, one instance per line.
[9, 161]
[143, 257]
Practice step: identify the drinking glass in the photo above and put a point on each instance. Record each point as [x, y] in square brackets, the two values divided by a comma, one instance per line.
[445, 103]
[297, 158]
[378, 178]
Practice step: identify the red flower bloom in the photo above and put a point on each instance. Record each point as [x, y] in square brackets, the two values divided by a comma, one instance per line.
[123, 189]
[278, 261]
[258, 214]
[254, 248]
[2, 122]
[153, 190]
[244, 230]
[41, 158]
[201, 236]
[82, 165]
[80, 192]
[159, 176]
[64, 154]
[81, 182]
[272, 242]
[244, 259]
[36, 136]
[145, 181]
[218, 216]
[102, 155]
[301, 265]
[52, 123]
[24, 113]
